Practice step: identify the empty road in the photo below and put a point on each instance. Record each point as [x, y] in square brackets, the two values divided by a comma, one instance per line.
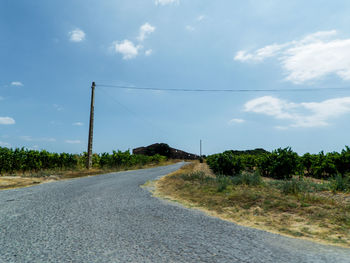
[110, 218]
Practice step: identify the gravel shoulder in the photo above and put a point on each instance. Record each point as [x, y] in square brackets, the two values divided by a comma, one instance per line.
[110, 218]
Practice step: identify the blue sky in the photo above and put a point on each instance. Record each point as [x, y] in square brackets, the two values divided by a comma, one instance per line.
[51, 51]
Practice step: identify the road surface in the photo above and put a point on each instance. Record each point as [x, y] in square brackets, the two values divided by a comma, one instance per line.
[110, 218]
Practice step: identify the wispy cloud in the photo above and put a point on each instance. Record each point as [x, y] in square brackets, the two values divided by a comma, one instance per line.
[166, 2]
[42, 139]
[58, 107]
[310, 58]
[300, 115]
[73, 141]
[145, 30]
[7, 121]
[236, 121]
[190, 28]
[76, 35]
[16, 84]
[201, 18]
[78, 123]
[148, 52]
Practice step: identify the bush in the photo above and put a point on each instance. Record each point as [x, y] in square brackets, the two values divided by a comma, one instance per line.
[323, 166]
[280, 164]
[24, 160]
[251, 179]
[222, 183]
[294, 186]
[300, 185]
[225, 164]
[340, 183]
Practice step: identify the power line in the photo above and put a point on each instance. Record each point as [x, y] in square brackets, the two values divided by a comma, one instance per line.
[136, 115]
[219, 90]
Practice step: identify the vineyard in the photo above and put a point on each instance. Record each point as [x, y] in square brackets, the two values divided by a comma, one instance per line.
[304, 196]
[25, 160]
[283, 164]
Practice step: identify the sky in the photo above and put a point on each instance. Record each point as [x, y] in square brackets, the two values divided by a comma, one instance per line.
[297, 53]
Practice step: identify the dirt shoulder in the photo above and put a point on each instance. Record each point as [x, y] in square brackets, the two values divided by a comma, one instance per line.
[322, 217]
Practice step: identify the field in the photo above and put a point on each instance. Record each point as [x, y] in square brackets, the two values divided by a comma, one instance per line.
[23, 167]
[291, 204]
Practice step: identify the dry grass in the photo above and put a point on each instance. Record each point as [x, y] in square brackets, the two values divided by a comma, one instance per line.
[29, 179]
[322, 217]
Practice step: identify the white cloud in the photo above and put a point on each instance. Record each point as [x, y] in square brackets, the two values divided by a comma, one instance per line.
[148, 52]
[145, 30]
[76, 35]
[200, 18]
[313, 57]
[78, 124]
[236, 121]
[5, 144]
[42, 139]
[73, 141]
[190, 28]
[127, 49]
[55, 123]
[58, 107]
[260, 54]
[17, 84]
[7, 121]
[302, 115]
[166, 2]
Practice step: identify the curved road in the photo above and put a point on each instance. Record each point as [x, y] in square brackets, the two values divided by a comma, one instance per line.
[109, 218]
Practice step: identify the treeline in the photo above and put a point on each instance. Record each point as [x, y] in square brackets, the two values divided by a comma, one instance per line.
[24, 160]
[282, 163]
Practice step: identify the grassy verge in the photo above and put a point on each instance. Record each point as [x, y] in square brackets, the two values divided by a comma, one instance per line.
[297, 208]
[18, 180]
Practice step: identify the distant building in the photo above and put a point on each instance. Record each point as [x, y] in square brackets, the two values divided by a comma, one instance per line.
[165, 150]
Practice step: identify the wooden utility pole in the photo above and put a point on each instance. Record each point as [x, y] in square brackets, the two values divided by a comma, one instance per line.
[200, 148]
[91, 126]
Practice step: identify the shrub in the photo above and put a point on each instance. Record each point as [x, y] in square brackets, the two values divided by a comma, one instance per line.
[251, 179]
[340, 183]
[305, 163]
[225, 164]
[193, 176]
[222, 183]
[323, 166]
[280, 164]
[299, 185]
[23, 160]
[294, 186]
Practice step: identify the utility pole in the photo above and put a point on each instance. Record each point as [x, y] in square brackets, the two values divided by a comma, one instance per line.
[91, 126]
[200, 148]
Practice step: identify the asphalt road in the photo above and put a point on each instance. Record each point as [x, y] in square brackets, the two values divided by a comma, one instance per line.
[110, 218]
